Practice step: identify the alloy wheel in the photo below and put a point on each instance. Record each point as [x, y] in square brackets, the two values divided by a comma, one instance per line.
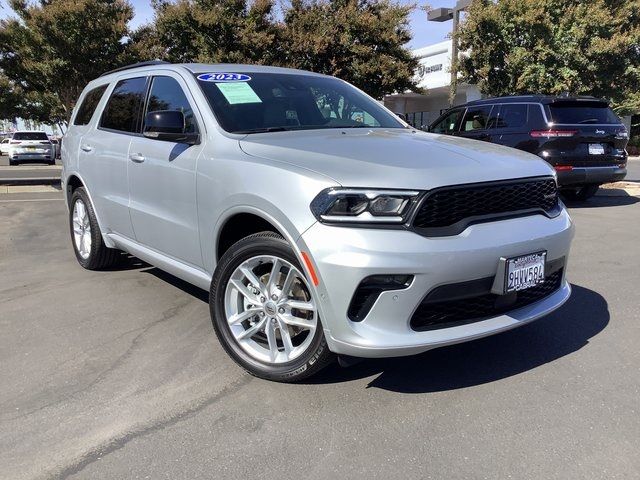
[270, 310]
[81, 229]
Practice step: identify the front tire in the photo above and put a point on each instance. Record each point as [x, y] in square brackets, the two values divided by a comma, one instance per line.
[86, 237]
[264, 312]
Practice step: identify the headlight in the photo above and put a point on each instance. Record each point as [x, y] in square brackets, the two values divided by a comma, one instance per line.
[363, 205]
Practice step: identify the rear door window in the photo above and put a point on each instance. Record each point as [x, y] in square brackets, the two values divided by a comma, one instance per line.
[89, 105]
[582, 113]
[123, 111]
[511, 116]
[476, 118]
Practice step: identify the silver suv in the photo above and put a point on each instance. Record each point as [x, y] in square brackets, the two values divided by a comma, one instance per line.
[319, 222]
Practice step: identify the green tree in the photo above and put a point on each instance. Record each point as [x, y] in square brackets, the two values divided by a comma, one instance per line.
[361, 41]
[55, 47]
[221, 31]
[553, 47]
[10, 107]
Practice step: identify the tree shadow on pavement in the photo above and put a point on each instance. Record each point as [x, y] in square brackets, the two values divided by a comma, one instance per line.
[489, 359]
[621, 198]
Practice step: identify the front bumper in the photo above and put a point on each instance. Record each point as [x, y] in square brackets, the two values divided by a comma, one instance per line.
[343, 257]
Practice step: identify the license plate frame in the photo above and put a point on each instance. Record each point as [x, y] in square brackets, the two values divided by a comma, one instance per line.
[528, 271]
[596, 149]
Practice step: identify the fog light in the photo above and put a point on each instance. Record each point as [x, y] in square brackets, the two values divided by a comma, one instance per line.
[370, 289]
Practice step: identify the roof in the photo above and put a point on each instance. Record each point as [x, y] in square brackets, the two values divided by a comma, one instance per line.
[209, 67]
[545, 99]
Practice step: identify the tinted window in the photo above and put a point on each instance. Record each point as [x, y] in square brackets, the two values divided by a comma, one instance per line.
[448, 124]
[582, 113]
[122, 111]
[30, 136]
[511, 116]
[476, 118]
[88, 106]
[167, 94]
[292, 102]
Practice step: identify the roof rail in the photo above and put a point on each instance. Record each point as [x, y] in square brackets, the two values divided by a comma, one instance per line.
[134, 65]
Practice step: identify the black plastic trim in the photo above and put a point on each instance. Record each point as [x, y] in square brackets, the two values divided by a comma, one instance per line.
[149, 63]
[477, 288]
[357, 311]
[460, 226]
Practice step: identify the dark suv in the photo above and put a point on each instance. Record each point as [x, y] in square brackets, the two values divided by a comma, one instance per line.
[580, 136]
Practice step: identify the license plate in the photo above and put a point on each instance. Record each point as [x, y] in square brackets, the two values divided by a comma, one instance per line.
[31, 148]
[524, 272]
[596, 149]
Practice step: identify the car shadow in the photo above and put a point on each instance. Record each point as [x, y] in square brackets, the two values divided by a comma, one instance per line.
[618, 197]
[126, 262]
[486, 360]
[186, 287]
[477, 362]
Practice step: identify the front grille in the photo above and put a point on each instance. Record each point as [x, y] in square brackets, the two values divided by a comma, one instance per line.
[451, 313]
[449, 210]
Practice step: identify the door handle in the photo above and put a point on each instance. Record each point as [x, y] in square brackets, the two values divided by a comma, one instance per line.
[86, 148]
[136, 157]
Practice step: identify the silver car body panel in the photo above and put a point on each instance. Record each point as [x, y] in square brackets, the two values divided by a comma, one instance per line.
[170, 209]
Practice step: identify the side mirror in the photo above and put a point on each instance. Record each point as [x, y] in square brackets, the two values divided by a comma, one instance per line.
[169, 126]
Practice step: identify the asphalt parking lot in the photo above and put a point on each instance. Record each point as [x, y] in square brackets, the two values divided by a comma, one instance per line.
[118, 374]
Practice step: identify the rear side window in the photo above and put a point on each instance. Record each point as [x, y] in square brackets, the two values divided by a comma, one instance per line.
[123, 110]
[89, 105]
[576, 113]
[476, 118]
[30, 136]
[167, 94]
[512, 116]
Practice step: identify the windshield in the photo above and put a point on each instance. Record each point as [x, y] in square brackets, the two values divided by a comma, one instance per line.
[576, 113]
[30, 136]
[269, 102]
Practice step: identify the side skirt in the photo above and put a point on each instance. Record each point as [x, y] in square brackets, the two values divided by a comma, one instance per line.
[188, 273]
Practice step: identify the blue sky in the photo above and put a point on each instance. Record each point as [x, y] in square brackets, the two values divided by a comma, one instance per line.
[424, 33]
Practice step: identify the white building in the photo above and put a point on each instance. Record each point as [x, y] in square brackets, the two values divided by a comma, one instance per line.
[434, 75]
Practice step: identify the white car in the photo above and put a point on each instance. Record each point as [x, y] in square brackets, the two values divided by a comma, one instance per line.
[4, 146]
[31, 147]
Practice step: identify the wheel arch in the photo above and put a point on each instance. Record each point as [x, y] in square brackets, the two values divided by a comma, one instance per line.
[73, 181]
[262, 219]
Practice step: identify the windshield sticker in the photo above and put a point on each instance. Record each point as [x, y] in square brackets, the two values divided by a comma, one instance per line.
[238, 92]
[224, 77]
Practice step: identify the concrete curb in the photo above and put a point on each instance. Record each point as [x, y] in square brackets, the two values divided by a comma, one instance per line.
[8, 189]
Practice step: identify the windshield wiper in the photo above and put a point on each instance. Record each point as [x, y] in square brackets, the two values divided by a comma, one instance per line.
[263, 130]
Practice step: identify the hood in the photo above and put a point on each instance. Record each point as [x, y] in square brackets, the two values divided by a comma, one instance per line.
[394, 158]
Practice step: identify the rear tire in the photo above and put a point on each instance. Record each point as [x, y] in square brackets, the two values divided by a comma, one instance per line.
[86, 237]
[270, 338]
[582, 193]
[13, 163]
